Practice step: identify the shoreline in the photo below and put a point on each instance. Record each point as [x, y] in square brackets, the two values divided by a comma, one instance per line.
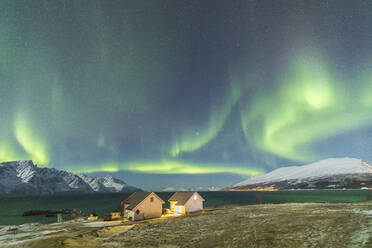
[266, 224]
[11, 209]
[120, 193]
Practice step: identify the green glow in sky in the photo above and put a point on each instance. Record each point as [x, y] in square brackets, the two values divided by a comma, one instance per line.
[170, 167]
[194, 140]
[308, 106]
[366, 89]
[32, 144]
[188, 87]
[9, 153]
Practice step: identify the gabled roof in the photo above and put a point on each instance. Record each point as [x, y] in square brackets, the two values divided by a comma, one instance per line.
[136, 198]
[182, 197]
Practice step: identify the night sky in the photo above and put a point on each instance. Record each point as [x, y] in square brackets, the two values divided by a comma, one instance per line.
[185, 87]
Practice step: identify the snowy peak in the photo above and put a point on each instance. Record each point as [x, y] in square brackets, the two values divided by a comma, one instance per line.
[324, 168]
[113, 183]
[25, 178]
[105, 184]
[20, 163]
[24, 169]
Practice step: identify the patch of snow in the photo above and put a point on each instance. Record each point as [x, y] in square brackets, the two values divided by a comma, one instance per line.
[102, 223]
[367, 212]
[14, 235]
[360, 237]
[358, 211]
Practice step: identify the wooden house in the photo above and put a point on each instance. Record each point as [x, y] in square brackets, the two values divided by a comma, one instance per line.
[142, 205]
[185, 202]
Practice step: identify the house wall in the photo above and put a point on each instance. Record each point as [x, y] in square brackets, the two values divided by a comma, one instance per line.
[126, 213]
[193, 205]
[183, 210]
[115, 215]
[125, 210]
[149, 209]
[130, 215]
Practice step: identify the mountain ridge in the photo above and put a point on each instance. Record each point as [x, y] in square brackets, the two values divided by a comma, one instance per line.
[25, 178]
[324, 174]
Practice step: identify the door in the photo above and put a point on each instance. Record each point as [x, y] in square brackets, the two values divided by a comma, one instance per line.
[178, 209]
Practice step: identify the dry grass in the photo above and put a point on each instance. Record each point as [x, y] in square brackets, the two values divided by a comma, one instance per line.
[285, 225]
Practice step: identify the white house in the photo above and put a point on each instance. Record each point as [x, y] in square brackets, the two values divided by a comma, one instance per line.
[185, 202]
[142, 205]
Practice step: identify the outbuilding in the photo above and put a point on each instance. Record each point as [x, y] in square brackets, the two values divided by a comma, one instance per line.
[142, 205]
[185, 202]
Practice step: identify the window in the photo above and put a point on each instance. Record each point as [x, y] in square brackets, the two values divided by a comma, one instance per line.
[195, 197]
[138, 212]
[152, 199]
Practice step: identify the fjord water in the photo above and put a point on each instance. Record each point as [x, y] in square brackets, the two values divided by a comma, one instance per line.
[11, 208]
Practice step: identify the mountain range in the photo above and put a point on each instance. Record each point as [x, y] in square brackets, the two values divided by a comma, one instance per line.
[332, 173]
[26, 178]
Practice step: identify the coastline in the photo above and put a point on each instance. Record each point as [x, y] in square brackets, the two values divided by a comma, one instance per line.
[266, 225]
[11, 209]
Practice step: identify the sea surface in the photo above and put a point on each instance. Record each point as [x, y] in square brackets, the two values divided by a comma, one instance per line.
[11, 208]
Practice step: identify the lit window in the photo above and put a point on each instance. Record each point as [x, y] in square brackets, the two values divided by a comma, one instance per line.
[195, 197]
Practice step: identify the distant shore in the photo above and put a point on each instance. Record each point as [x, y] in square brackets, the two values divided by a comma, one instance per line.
[267, 225]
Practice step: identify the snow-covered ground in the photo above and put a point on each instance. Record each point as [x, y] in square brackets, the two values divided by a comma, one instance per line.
[13, 235]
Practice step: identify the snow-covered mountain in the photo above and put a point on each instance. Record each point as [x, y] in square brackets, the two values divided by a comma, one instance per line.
[25, 178]
[328, 173]
[107, 184]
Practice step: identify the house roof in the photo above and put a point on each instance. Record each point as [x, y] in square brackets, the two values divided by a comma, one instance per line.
[182, 197]
[136, 198]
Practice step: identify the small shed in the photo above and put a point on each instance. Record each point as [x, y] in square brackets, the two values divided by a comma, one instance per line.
[142, 205]
[185, 202]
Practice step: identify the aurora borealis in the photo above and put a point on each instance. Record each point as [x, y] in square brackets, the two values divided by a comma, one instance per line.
[184, 87]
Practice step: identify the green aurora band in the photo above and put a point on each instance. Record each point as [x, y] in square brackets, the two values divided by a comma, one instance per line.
[169, 167]
[308, 106]
[192, 141]
[99, 87]
[31, 143]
